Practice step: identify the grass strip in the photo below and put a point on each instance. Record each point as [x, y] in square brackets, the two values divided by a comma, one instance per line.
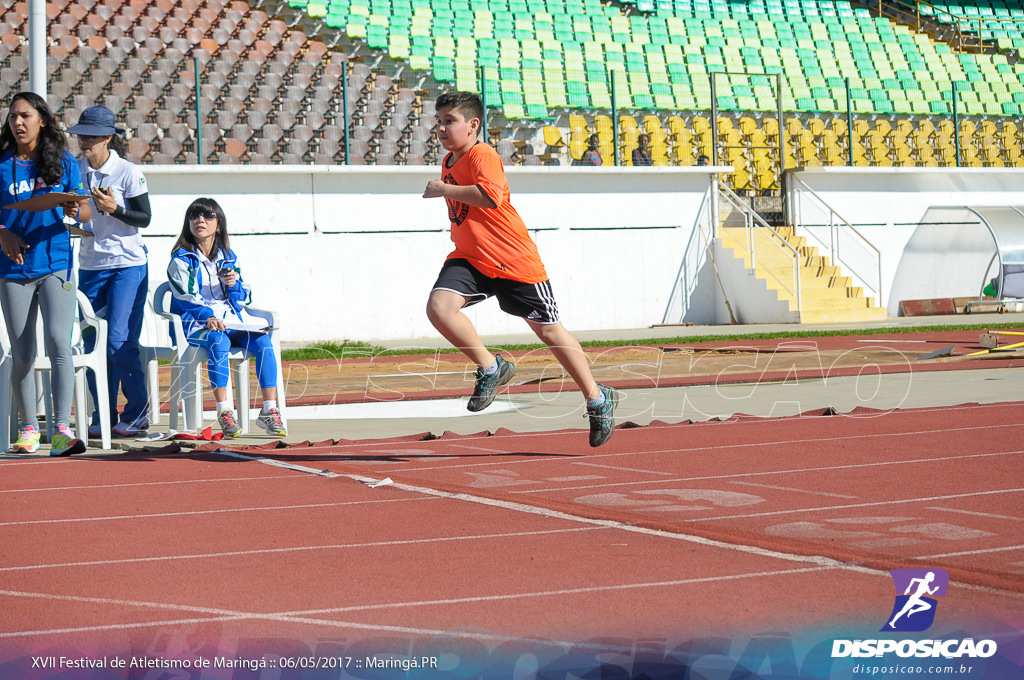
[352, 348]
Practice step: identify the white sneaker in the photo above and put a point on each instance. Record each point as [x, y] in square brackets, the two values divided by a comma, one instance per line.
[270, 420]
[123, 429]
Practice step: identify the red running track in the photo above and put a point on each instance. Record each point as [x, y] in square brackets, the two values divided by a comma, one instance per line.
[736, 528]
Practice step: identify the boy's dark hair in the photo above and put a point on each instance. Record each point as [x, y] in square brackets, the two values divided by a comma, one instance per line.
[466, 103]
[52, 141]
[187, 240]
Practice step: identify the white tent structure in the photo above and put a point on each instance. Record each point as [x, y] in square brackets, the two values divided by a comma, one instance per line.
[957, 251]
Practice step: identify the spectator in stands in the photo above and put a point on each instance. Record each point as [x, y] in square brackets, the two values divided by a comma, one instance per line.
[703, 160]
[114, 264]
[35, 274]
[210, 296]
[642, 153]
[495, 256]
[592, 156]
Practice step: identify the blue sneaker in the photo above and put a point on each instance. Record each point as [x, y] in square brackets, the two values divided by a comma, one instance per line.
[487, 385]
[602, 416]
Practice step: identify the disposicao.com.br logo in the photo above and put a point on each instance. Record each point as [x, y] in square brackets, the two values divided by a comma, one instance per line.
[914, 611]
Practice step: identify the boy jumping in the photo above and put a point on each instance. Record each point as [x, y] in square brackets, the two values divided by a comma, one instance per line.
[495, 256]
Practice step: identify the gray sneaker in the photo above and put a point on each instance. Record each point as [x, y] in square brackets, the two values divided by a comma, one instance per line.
[602, 416]
[487, 385]
[228, 426]
[270, 420]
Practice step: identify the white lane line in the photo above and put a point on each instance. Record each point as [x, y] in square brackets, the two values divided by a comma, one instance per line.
[715, 447]
[981, 551]
[624, 469]
[271, 508]
[478, 448]
[766, 473]
[790, 488]
[977, 514]
[277, 463]
[555, 514]
[150, 483]
[556, 593]
[303, 616]
[295, 549]
[873, 504]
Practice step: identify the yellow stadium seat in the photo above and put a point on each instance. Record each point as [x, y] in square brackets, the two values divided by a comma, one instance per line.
[659, 153]
[576, 148]
[747, 126]
[725, 126]
[683, 154]
[740, 180]
[677, 126]
[700, 125]
[652, 125]
[766, 180]
[602, 122]
[831, 154]
[553, 136]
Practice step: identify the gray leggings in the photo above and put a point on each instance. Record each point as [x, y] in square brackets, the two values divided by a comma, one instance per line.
[22, 300]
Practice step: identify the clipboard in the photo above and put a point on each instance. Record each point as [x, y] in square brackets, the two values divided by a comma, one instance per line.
[47, 201]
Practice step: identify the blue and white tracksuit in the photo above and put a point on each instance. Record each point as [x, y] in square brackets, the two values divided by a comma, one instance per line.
[198, 293]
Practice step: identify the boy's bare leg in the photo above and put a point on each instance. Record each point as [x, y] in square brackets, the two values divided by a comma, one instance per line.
[444, 309]
[569, 354]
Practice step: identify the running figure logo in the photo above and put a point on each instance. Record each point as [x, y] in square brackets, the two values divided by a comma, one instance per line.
[914, 610]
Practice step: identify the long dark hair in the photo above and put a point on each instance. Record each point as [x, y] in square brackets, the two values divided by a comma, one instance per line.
[52, 140]
[118, 144]
[186, 239]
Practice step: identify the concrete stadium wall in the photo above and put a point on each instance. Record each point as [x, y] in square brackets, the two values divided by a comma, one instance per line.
[352, 252]
[887, 205]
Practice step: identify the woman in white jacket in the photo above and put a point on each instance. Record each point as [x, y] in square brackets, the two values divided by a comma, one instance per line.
[210, 296]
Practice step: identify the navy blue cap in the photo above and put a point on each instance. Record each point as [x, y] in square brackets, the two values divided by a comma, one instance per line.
[96, 121]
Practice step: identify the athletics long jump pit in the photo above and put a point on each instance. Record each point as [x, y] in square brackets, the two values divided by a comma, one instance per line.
[879, 537]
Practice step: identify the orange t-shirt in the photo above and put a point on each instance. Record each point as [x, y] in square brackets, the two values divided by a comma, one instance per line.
[494, 240]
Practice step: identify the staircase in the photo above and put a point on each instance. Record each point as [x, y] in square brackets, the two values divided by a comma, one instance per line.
[826, 296]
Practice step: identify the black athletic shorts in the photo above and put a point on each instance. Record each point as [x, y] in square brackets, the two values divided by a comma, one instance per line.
[532, 301]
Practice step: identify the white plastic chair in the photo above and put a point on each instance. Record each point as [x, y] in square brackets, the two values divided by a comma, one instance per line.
[154, 347]
[6, 411]
[186, 377]
[95, 361]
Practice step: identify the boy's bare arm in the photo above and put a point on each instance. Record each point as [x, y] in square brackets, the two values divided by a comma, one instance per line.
[472, 195]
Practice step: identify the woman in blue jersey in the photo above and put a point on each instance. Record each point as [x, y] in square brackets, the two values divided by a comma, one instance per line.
[36, 265]
[113, 268]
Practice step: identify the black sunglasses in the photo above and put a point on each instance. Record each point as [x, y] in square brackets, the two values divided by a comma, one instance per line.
[196, 214]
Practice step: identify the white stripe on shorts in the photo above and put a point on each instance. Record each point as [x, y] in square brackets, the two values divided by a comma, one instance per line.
[548, 299]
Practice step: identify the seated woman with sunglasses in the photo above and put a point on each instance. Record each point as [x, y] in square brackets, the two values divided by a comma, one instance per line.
[113, 264]
[210, 297]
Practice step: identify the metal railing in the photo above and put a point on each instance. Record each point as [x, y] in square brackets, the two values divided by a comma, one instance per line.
[846, 246]
[754, 225]
[959, 32]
